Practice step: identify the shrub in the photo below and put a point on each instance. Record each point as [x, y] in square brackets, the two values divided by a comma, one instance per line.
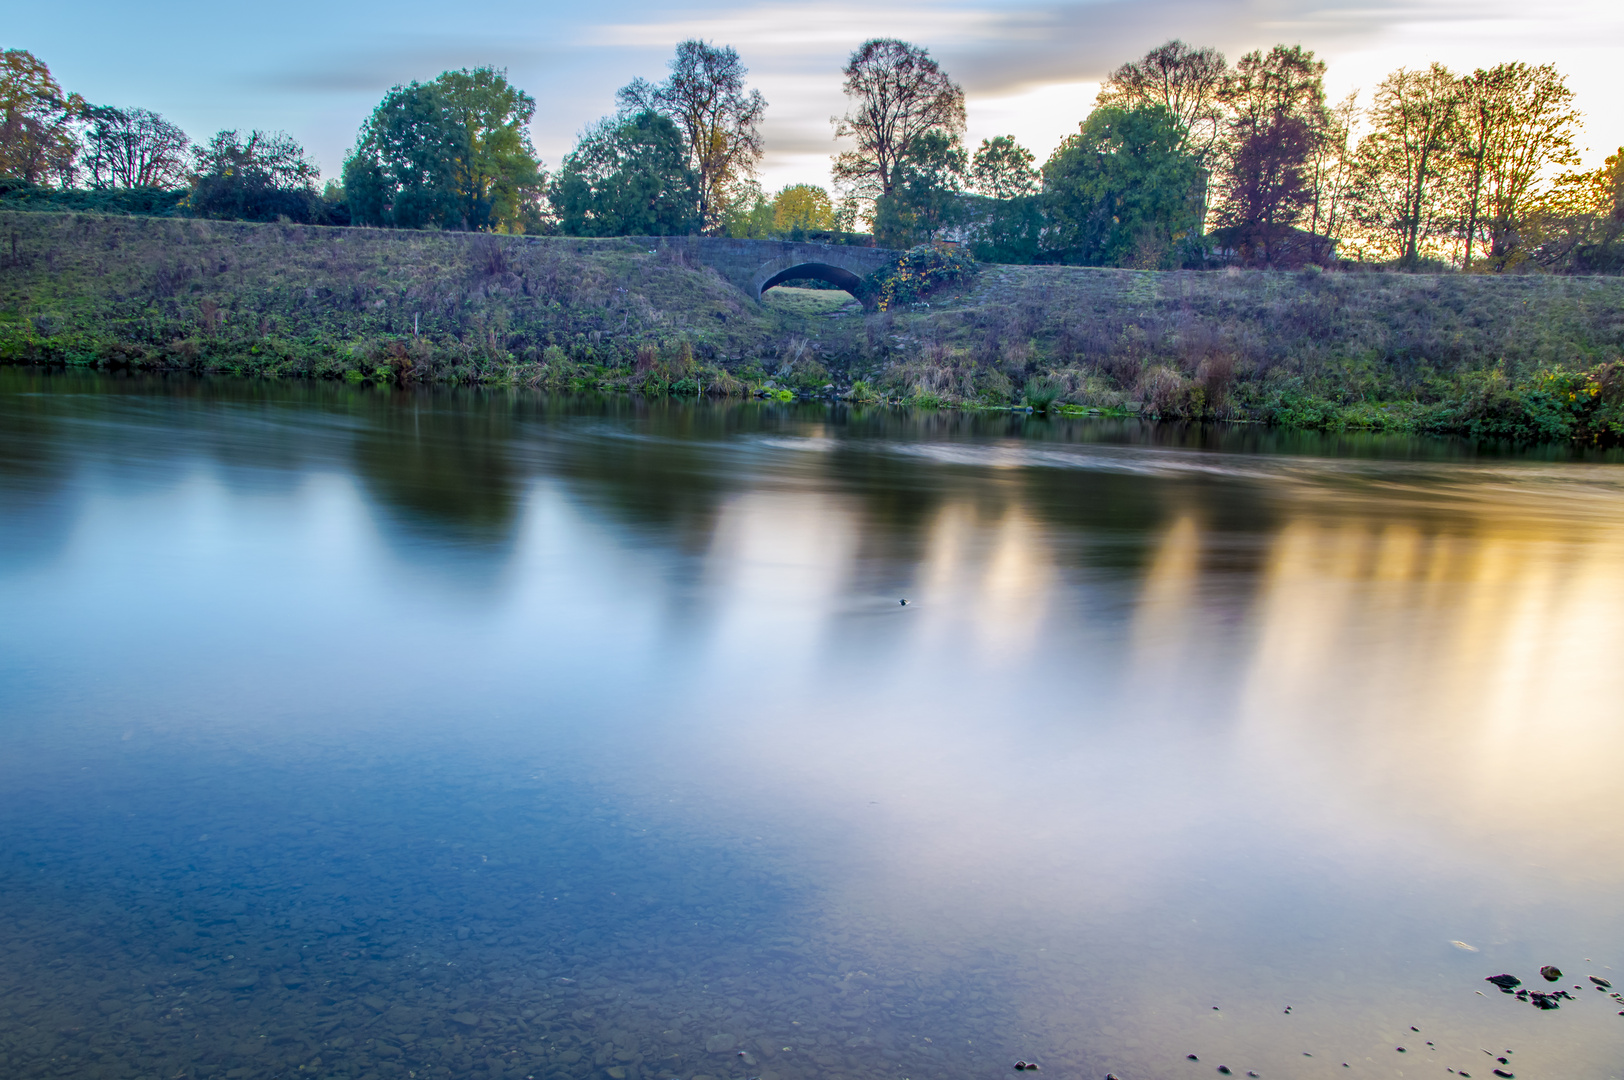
[1042, 393]
[918, 273]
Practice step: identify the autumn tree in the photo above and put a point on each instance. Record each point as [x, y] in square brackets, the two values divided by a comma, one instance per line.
[899, 94]
[1002, 169]
[1580, 220]
[130, 148]
[1405, 161]
[37, 143]
[454, 153]
[1186, 81]
[802, 207]
[720, 121]
[628, 176]
[1518, 121]
[1277, 118]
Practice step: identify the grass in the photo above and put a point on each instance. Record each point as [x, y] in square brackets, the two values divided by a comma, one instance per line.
[808, 302]
[1523, 357]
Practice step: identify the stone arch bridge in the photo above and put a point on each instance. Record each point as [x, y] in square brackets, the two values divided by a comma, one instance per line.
[755, 266]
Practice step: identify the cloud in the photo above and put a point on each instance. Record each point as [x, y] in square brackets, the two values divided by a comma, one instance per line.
[376, 68]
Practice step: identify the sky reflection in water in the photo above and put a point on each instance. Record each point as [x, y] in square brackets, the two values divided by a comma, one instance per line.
[489, 735]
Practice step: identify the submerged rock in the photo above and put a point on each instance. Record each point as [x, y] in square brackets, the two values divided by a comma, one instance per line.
[1504, 982]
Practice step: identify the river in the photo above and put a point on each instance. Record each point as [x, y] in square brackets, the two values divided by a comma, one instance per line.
[362, 733]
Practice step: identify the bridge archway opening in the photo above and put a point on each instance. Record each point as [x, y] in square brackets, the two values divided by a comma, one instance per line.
[834, 275]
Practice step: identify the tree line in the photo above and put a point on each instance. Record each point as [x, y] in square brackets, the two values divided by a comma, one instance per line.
[1185, 161]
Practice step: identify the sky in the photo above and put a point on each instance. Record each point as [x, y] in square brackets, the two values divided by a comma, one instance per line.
[1029, 69]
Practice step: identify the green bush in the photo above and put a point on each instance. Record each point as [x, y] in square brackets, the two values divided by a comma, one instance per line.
[918, 273]
[1042, 393]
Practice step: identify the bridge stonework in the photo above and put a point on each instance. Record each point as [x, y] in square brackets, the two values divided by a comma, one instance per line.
[754, 266]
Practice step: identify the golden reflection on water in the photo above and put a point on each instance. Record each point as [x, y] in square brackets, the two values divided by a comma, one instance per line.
[1462, 675]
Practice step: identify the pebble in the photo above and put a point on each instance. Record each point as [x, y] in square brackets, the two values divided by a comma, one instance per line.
[1551, 972]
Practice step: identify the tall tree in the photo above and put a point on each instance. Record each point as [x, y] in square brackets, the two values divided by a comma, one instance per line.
[128, 148]
[453, 153]
[899, 94]
[1123, 191]
[719, 120]
[1407, 156]
[1277, 118]
[628, 176]
[1332, 175]
[261, 178]
[1518, 122]
[1002, 169]
[1186, 81]
[37, 143]
[498, 177]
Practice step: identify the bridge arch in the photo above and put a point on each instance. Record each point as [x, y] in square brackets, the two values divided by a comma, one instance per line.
[843, 268]
[754, 266]
[838, 276]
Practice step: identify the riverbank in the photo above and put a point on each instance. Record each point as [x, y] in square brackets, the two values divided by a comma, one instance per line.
[1520, 357]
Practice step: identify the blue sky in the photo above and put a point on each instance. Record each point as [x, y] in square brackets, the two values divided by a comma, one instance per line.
[1029, 68]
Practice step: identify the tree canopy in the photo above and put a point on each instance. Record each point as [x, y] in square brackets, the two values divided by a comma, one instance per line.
[628, 177]
[720, 122]
[1278, 117]
[454, 153]
[898, 94]
[1186, 81]
[130, 148]
[263, 177]
[37, 143]
[1002, 169]
[1123, 191]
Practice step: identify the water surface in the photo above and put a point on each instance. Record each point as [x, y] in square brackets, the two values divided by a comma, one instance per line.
[352, 733]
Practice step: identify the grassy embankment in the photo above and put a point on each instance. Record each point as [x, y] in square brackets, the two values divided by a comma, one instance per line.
[1527, 357]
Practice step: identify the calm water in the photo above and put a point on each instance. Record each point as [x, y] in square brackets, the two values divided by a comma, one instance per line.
[355, 734]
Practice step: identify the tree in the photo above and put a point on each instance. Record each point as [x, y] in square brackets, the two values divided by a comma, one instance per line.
[1002, 169]
[262, 178]
[454, 153]
[1331, 176]
[628, 177]
[499, 180]
[1580, 220]
[804, 208]
[1406, 159]
[720, 122]
[37, 144]
[899, 94]
[1518, 122]
[1123, 191]
[1278, 117]
[129, 148]
[1188, 82]
[925, 192]
[403, 170]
